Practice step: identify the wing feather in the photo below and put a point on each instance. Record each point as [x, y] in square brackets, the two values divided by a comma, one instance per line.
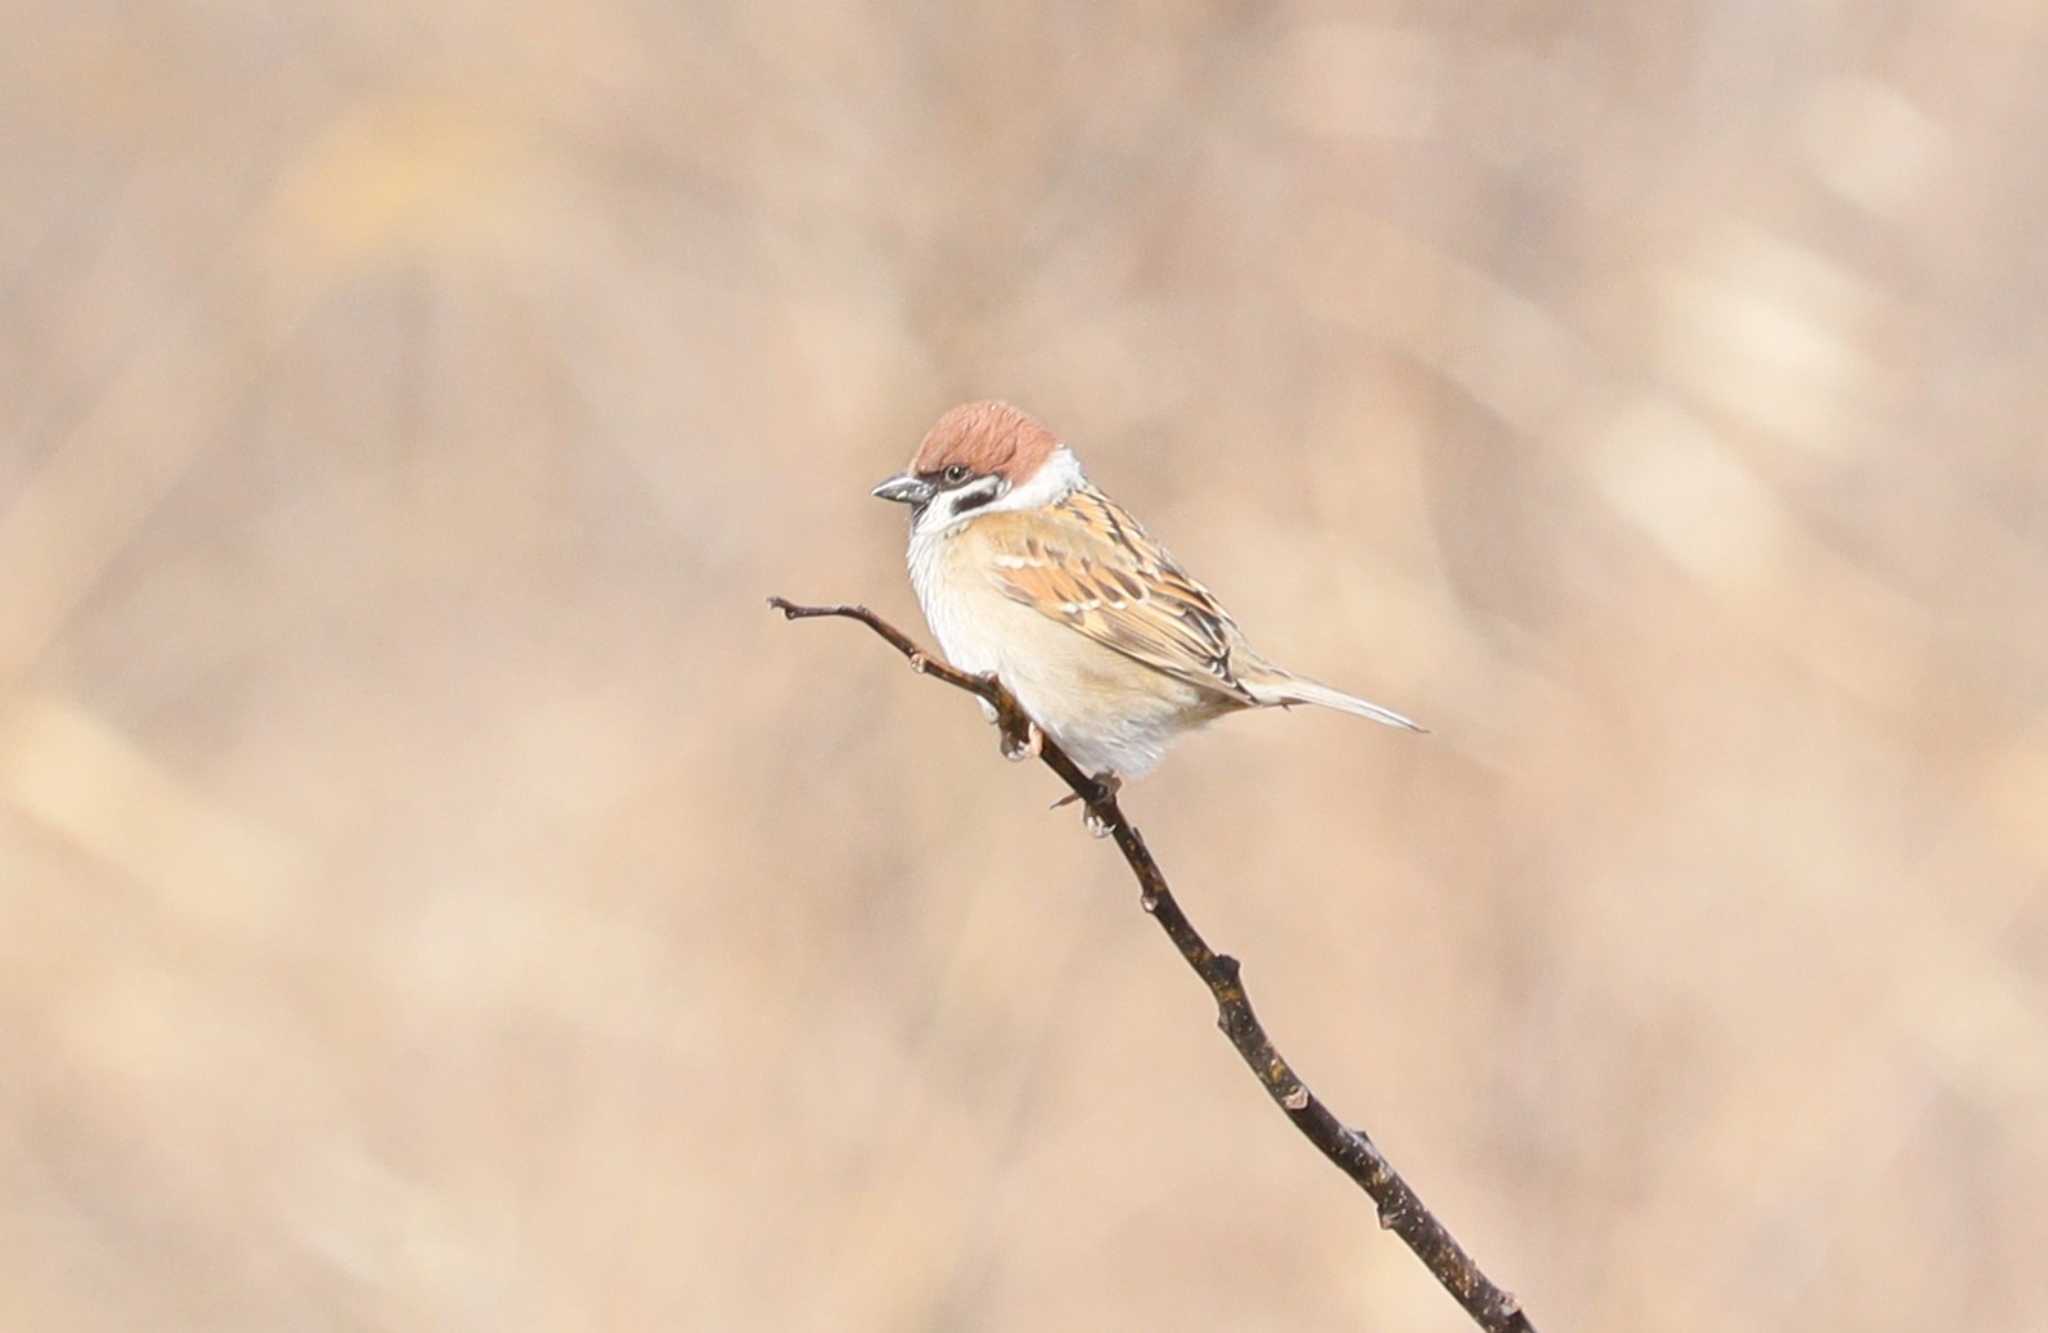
[1104, 577]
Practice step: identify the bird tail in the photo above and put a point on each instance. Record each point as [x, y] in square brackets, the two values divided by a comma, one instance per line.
[1282, 691]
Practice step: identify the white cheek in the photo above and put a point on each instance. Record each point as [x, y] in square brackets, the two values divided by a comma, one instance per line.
[935, 517]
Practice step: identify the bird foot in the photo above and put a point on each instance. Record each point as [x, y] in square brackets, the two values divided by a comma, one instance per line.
[1029, 744]
[1097, 826]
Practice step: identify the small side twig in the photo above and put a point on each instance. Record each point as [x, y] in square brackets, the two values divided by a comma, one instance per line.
[1350, 1150]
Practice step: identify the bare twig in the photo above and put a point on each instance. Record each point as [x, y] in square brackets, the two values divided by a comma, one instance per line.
[1400, 1210]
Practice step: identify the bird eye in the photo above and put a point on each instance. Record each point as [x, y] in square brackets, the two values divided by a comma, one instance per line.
[955, 474]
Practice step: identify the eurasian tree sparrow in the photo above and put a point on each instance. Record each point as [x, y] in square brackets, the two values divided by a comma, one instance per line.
[1023, 568]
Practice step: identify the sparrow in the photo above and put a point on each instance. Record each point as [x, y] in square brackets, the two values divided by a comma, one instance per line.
[1025, 569]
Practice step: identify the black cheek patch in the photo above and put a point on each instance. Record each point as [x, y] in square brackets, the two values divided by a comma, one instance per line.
[967, 504]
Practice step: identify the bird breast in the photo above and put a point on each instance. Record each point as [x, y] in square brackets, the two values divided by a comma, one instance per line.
[1106, 710]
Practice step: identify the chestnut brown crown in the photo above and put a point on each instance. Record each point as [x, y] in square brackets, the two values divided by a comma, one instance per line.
[988, 438]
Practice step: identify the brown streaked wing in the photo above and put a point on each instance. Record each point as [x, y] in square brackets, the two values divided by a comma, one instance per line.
[1095, 570]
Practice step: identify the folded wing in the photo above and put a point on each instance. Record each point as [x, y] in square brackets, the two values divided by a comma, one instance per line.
[1104, 577]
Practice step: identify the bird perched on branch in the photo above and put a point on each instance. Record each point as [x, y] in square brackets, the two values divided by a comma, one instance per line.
[1026, 570]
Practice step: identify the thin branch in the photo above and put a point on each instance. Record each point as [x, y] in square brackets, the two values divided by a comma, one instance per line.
[1353, 1153]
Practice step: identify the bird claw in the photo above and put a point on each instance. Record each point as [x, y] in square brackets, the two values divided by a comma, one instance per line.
[1109, 784]
[1030, 745]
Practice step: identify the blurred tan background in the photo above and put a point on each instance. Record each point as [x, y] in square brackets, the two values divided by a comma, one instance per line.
[436, 894]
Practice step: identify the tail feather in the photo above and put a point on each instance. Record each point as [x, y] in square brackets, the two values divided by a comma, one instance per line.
[1286, 691]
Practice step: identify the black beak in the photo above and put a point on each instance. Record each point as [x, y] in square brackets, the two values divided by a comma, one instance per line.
[905, 488]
